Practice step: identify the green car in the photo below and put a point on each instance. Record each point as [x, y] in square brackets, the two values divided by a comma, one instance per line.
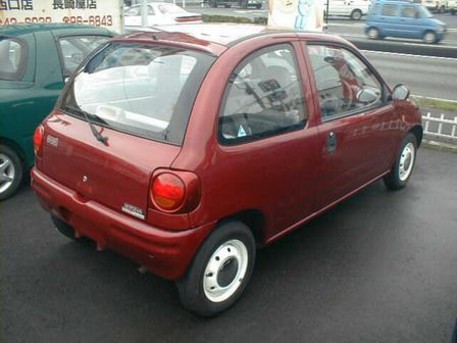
[35, 61]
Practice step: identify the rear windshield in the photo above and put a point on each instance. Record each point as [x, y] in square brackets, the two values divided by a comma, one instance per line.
[140, 89]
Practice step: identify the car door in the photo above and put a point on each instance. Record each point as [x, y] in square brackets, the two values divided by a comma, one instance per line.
[354, 132]
[389, 20]
[264, 135]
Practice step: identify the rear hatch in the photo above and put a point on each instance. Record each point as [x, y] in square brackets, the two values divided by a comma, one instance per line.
[122, 115]
[116, 174]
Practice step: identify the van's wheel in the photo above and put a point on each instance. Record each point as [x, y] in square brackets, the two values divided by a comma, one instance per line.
[373, 33]
[220, 271]
[356, 15]
[429, 37]
[404, 164]
[11, 172]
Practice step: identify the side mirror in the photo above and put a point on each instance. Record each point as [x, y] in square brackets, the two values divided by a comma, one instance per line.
[400, 92]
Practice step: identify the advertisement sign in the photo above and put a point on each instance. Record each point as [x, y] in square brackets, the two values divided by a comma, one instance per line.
[105, 13]
[306, 15]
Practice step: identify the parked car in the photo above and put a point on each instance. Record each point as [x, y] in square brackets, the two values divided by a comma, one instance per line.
[355, 9]
[439, 6]
[239, 3]
[35, 60]
[186, 154]
[452, 6]
[403, 20]
[160, 13]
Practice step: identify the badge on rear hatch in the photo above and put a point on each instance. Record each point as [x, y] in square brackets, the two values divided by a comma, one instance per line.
[133, 210]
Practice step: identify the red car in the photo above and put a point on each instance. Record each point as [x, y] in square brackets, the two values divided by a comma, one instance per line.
[186, 154]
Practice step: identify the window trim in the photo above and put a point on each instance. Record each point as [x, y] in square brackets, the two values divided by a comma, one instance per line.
[256, 137]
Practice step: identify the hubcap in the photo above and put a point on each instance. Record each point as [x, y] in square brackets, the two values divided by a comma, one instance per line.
[429, 37]
[406, 162]
[373, 33]
[225, 270]
[7, 173]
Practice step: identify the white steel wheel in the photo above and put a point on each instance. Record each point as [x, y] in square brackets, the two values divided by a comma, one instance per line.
[220, 271]
[225, 271]
[405, 167]
[10, 172]
[404, 164]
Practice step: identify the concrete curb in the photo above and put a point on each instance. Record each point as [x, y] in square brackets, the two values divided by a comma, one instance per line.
[439, 146]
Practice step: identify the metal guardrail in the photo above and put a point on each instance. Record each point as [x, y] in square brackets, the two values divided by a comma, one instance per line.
[440, 127]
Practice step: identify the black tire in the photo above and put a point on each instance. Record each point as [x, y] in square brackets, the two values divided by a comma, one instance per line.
[404, 164]
[373, 33]
[220, 270]
[429, 37]
[11, 172]
[356, 15]
[64, 228]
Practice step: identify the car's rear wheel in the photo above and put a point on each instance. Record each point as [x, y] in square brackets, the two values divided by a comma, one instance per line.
[11, 172]
[404, 164]
[373, 33]
[356, 15]
[220, 271]
[429, 37]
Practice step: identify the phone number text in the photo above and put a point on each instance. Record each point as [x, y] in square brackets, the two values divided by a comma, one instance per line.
[93, 20]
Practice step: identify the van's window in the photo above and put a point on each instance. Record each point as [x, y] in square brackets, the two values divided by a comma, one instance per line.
[389, 10]
[144, 90]
[13, 58]
[409, 12]
[263, 97]
[345, 83]
[375, 10]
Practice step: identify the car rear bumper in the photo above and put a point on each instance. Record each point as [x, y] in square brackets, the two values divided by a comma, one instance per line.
[165, 253]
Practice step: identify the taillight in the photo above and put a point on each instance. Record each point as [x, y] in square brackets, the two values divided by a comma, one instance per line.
[168, 191]
[38, 140]
[174, 192]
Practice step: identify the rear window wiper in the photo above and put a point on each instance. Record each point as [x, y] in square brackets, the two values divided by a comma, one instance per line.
[97, 134]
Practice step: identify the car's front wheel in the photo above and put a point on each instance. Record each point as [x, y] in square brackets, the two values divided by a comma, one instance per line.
[11, 172]
[356, 15]
[373, 33]
[404, 164]
[429, 37]
[220, 271]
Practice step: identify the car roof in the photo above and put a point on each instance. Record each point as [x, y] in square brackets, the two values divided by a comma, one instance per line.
[21, 29]
[216, 38]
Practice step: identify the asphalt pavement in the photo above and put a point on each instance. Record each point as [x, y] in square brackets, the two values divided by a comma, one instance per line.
[381, 267]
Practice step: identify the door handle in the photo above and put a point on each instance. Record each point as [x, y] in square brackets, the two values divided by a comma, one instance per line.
[331, 142]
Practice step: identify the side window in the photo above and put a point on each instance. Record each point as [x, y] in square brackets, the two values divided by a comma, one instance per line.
[408, 12]
[13, 58]
[389, 10]
[345, 84]
[75, 48]
[263, 97]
